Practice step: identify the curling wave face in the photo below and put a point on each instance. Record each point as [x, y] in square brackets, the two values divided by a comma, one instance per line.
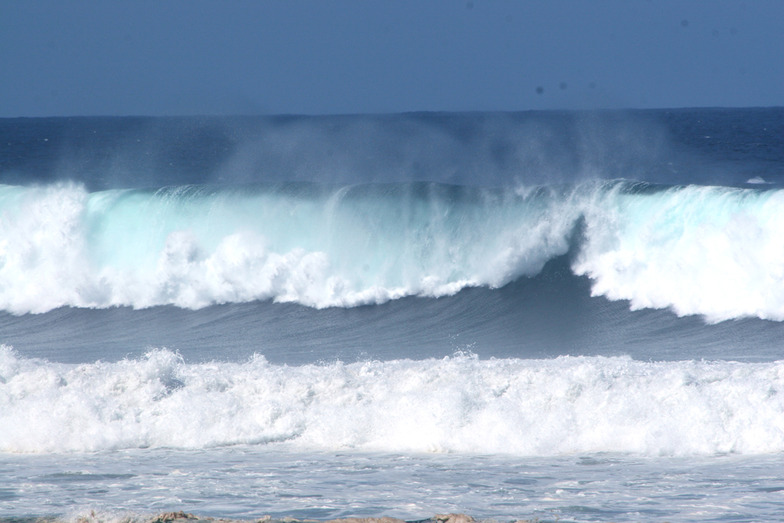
[711, 251]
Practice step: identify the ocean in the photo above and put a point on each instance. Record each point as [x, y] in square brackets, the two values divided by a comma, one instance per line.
[571, 316]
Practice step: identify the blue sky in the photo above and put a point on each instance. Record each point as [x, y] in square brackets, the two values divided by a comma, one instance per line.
[179, 57]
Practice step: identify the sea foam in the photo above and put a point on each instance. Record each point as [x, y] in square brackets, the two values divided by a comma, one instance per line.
[456, 404]
[711, 251]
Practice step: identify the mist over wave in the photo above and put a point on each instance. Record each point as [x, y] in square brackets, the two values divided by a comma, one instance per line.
[455, 404]
[710, 251]
[478, 149]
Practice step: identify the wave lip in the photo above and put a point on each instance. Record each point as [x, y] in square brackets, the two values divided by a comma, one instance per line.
[457, 404]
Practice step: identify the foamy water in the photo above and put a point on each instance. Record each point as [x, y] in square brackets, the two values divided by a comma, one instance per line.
[459, 404]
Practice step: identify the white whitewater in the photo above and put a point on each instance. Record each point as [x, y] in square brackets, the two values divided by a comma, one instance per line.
[461, 404]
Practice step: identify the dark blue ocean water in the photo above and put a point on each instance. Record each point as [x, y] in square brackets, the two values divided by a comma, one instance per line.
[572, 316]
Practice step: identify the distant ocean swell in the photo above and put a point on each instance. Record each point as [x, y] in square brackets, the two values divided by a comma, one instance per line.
[711, 251]
[455, 404]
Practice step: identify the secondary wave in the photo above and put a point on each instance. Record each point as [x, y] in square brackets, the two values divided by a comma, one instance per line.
[455, 404]
[713, 251]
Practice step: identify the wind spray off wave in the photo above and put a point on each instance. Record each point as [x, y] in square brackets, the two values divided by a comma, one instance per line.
[713, 251]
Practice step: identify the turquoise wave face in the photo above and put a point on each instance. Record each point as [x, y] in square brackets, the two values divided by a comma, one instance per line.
[702, 250]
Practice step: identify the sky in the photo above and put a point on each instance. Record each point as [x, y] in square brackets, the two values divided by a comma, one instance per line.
[187, 57]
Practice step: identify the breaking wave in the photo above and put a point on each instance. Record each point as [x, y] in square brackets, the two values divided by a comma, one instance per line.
[705, 250]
